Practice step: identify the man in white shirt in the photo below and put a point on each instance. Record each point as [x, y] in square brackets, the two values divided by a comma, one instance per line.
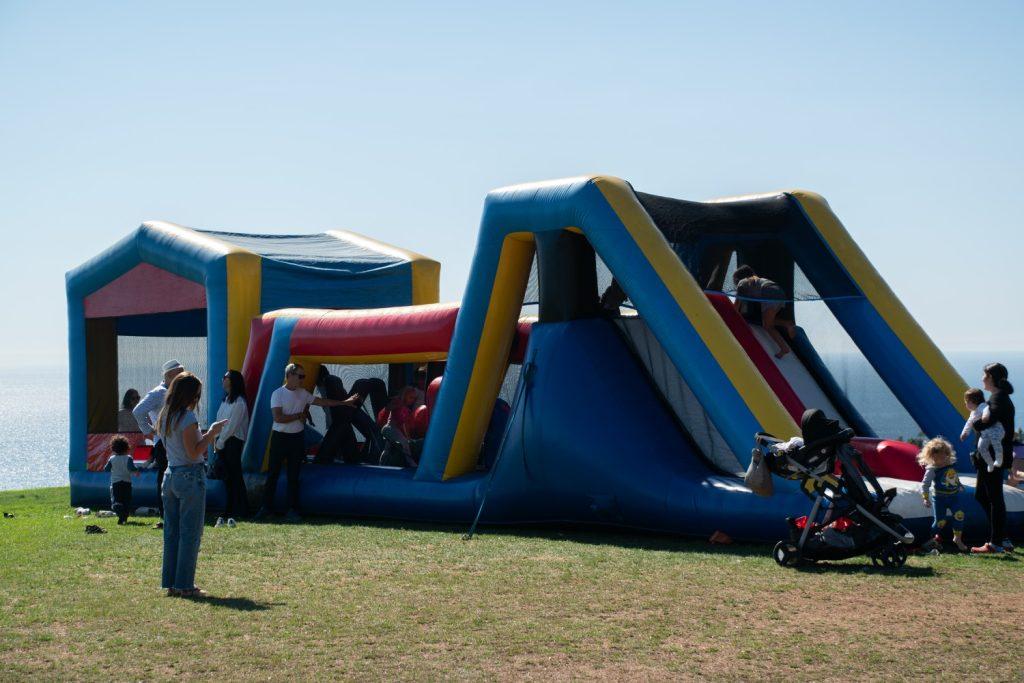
[290, 405]
[146, 413]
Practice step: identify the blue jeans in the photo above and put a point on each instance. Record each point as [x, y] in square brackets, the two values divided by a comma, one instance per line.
[184, 497]
[955, 506]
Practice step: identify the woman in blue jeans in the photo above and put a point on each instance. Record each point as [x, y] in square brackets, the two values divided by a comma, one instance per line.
[184, 489]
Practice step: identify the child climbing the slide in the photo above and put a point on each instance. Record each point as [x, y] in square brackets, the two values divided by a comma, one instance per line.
[749, 289]
[121, 466]
[937, 458]
[990, 441]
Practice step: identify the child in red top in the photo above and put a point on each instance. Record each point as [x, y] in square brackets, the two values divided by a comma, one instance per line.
[399, 421]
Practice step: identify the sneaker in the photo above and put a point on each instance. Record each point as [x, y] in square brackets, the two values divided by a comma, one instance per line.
[1007, 545]
[231, 523]
[986, 549]
[219, 522]
[293, 516]
[261, 513]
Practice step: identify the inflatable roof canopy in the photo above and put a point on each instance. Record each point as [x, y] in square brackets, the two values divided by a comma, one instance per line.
[165, 280]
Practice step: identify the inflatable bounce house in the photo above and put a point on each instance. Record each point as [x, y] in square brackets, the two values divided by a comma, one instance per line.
[168, 291]
[630, 394]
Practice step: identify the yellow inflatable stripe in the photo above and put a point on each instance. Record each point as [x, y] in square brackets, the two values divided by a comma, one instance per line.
[760, 399]
[885, 301]
[426, 282]
[503, 311]
[244, 285]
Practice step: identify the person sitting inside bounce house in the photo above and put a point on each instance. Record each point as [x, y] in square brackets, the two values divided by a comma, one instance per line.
[749, 289]
[397, 428]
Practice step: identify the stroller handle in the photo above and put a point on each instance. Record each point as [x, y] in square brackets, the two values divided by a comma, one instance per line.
[843, 436]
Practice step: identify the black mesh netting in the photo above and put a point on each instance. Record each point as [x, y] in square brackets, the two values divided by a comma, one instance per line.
[852, 371]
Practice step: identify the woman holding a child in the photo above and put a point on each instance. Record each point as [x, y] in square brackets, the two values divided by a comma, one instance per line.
[989, 490]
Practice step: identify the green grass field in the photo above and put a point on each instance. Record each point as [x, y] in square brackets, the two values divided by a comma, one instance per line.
[358, 600]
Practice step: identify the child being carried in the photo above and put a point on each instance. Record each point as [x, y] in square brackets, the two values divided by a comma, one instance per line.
[990, 441]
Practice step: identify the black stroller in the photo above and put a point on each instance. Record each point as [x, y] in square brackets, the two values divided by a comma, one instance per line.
[856, 518]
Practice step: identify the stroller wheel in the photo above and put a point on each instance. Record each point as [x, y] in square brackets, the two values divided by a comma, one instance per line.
[890, 557]
[786, 554]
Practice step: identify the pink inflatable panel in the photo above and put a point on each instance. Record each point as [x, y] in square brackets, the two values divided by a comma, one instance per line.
[145, 289]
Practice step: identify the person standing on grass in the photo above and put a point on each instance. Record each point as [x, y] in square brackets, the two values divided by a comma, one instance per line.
[184, 492]
[290, 406]
[989, 490]
[145, 413]
[235, 413]
[121, 467]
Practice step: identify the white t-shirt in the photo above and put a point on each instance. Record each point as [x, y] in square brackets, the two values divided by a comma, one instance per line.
[290, 402]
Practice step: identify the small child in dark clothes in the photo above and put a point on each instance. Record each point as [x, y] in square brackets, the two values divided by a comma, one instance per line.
[121, 466]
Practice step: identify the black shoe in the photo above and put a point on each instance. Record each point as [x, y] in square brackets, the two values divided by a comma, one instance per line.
[262, 513]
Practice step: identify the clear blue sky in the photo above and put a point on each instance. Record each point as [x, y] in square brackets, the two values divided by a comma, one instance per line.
[395, 119]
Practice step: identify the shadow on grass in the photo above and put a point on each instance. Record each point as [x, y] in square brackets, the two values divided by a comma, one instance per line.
[610, 536]
[238, 604]
[584, 534]
[866, 568]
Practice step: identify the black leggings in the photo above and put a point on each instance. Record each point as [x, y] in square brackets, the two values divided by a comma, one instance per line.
[989, 494]
[121, 499]
[284, 447]
[236, 503]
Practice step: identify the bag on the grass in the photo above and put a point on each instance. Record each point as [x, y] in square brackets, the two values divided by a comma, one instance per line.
[758, 477]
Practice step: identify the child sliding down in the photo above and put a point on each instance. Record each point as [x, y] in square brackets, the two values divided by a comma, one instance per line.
[990, 441]
[937, 458]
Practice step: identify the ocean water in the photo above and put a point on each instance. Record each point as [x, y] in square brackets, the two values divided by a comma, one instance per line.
[34, 412]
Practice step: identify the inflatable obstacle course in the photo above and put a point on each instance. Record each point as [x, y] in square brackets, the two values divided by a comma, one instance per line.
[638, 411]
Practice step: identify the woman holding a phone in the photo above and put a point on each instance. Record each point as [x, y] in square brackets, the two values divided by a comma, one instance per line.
[184, 489]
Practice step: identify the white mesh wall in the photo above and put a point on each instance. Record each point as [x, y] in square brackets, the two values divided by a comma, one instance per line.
[140, 365]
[678, 396]
[349, 374]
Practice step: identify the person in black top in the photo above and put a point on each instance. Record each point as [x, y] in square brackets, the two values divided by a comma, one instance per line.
[989, 491]
[340, 441]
